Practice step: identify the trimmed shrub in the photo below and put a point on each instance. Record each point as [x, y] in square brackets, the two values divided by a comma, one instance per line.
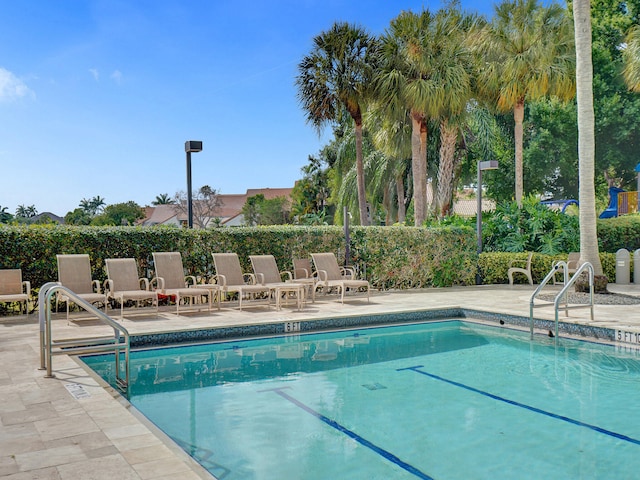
[494, 266]
[619, 232]
[390, 257]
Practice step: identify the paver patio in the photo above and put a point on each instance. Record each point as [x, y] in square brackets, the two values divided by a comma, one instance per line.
[47, 433]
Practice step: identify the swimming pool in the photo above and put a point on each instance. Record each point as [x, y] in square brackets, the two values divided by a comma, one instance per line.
[442, 400]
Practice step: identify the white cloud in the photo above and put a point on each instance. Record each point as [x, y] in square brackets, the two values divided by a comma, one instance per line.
[12, 88]
[116, 76]
[95, 73]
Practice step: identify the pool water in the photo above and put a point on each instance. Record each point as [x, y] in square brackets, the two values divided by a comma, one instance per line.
[440, 400]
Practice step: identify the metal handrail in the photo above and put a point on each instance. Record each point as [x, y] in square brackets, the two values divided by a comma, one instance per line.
[585, 265]
[547, 279]
[568, 282]
[120, 340]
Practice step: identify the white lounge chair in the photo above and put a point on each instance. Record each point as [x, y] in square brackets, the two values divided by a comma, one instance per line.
[171, 280]
[280, 283]
[231, 279]
[14, 289]
[331, 275]
[303, 273]
[123, 283]
[74, 273]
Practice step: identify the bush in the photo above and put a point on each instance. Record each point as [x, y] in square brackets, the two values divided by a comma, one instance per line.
[494, 266]
[619, 232]
[531, 228]
[390, 257]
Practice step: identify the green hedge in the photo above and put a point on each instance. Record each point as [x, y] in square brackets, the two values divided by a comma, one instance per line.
[390, 257]
[494, 266]
[620, 232]
[401, 257]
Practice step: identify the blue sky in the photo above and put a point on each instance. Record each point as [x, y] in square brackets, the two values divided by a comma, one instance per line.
[97, 97]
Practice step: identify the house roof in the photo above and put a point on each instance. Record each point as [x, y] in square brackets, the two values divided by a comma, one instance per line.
[230, 206]
[158, 215]
[52, 216]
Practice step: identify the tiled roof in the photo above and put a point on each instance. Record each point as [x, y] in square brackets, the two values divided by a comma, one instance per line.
[231, 206]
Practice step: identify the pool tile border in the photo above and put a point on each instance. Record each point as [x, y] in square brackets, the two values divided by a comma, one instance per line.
[305, 326]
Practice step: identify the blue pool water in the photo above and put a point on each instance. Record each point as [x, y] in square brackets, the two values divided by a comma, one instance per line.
[440, 400]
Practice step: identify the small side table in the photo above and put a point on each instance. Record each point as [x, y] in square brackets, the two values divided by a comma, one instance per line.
[297, 289]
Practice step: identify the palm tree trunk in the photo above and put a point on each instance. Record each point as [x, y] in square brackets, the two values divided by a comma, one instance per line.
[586, 135]
[423, 160]
[448, 137]
[419, 168]
[402, 211]
[362, 198]
[387, 203]
[518, 116]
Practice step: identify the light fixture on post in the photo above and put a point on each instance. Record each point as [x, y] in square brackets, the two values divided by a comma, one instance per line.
[190, 146]
[486, 165]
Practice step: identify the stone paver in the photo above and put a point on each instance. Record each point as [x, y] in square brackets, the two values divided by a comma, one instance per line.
[46, 433]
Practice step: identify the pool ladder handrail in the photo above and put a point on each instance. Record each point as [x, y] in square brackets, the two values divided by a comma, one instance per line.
[49, 347]
[568, 282]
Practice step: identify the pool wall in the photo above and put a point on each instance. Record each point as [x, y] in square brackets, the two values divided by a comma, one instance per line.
[303, 326]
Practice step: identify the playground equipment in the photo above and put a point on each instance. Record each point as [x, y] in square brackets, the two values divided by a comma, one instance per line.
[560, 204]
[612, 210]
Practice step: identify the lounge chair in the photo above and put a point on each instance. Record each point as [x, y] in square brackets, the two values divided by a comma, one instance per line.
[231, 279]
[266, 271]
[74, 273]
[331, 275]
[303, 273]
[573, 262]
[14, 289]
[526, 271]
[124, 284]
[171, 280]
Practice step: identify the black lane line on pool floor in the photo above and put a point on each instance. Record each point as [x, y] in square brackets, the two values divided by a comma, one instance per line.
[525, 406]
[342, 429]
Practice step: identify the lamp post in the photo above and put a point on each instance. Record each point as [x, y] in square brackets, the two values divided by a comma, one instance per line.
[486, 165]
[347, 238]
[190, 146]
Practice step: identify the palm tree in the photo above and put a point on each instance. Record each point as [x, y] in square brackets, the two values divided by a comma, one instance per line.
[163, 199]
[392, 138]
[92, 206]
[529, 54]
[586, 134]
[453, 73]
[335, 76]
[24, 211]
[631, 57]
[4, 215]
[404, 84]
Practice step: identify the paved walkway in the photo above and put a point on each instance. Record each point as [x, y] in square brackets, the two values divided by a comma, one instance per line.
[47, 432]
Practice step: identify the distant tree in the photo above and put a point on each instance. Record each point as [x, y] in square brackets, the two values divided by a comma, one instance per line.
[5, 217]
[26, 211]
[93, 206]
[78, 217]
[274, 212]
[206, 206]
[44, 219]
[259, 211]
[310, 194]
[163, 199]
[119, 214]
[251, 210]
